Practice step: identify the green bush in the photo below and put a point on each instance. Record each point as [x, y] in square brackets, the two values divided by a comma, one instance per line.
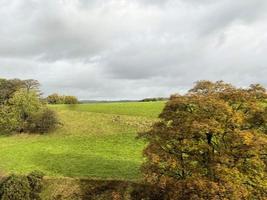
[42, 121]
[35, 180]
[15, 188]
[70, 100]
[61, 99]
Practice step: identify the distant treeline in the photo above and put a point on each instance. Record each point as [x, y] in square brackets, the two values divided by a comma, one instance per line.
[125, 101]
[107, 101]
[154, 99]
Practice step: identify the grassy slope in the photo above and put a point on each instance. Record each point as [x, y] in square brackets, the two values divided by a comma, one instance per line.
[89, 144]
[145, 109]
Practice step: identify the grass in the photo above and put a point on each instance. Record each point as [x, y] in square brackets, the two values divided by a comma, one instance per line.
[91, 143]
[145, 109]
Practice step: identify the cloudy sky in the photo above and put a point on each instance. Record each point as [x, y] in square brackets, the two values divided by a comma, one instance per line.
[131, 49]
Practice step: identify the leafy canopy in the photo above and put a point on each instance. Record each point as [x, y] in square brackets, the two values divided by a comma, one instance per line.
[210, 143]
[22, 109]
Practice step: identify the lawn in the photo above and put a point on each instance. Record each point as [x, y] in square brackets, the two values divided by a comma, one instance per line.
[95, 140]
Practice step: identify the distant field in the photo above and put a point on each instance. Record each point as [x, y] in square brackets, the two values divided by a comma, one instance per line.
[145, 109]
[96, 140]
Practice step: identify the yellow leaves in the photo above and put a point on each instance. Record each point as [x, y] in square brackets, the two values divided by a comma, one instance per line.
[246, 137]
[220, 131]
[155, 158]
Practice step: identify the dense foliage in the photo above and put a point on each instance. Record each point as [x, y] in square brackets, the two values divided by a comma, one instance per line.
[59, 99]
[35, 180]
[210, 144]
[21, 108]
[15, 188]
[18, 187]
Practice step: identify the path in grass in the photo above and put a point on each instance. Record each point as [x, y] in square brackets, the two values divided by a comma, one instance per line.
[89, 144]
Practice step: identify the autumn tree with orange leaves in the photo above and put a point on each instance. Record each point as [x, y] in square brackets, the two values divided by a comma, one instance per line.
[210, 143]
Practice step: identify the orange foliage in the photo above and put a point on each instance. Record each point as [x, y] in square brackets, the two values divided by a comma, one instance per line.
[210, 144]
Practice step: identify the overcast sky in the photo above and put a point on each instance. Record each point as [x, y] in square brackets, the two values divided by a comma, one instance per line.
[131, 49]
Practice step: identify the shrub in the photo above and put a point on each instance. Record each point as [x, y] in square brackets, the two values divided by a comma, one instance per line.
[61, 99]
[42, 121]
[35, 180]
[70, 100]
[55, 99]
[15, 188]
[8, 120]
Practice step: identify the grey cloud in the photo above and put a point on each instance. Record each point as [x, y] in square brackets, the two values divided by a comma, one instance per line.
[123, 49]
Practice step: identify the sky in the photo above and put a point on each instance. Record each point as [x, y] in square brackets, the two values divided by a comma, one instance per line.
[132, 49]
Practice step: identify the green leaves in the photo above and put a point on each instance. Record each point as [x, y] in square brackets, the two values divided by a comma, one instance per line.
[22, 110]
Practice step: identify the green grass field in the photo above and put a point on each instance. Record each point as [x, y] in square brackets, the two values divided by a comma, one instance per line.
[145, 109]
[95, 140]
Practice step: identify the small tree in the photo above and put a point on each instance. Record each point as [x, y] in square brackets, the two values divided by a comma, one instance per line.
[58, 99]
[32, 85]
[8, 88]
[24, 104]
[25, 112]
[21, 108]
[210, 144]
[70, 100]
[55, 99]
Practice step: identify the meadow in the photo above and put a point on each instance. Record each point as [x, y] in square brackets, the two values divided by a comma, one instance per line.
[94, 141]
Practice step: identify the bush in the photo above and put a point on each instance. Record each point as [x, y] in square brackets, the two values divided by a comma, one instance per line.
[55, 99]
[61, 99]
[42, 121]
[70, 100]
[35, 181]
[15, 188]
[8, 120]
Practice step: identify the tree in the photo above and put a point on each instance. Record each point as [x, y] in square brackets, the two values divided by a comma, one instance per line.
[24, 104]
[8, 88]
[32, 85]
[54, 99]
[70, 100]
[21, 108]
[210, 144]
[8, 120]
[59, 99]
